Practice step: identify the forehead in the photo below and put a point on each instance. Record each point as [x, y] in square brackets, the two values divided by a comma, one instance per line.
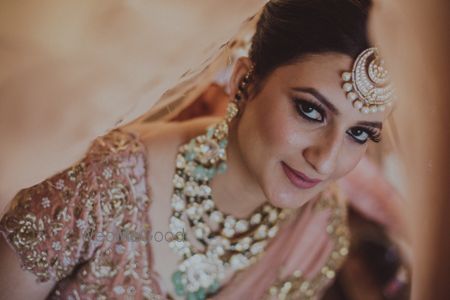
[323, 72]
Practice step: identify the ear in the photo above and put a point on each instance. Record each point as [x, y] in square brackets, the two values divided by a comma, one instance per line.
[241, 68]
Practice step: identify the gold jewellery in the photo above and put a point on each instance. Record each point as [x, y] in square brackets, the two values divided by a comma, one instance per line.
[297, 285]
[220, 242]
[368, 84]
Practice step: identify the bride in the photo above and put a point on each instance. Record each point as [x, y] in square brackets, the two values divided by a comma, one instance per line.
[241, 207]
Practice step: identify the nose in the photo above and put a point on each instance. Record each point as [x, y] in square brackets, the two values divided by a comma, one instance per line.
[324, 152]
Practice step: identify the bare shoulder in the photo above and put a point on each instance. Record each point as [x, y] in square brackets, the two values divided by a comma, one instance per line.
[165, 135]
[162, 139]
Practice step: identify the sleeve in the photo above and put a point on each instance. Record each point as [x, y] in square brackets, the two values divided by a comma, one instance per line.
[53, 225]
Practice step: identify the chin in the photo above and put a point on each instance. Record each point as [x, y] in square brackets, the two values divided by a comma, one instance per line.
[284, 197]
[283, 194]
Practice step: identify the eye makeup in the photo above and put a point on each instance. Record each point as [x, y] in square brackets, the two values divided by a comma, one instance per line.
[366, 133]
[316, 113]
[309, 110]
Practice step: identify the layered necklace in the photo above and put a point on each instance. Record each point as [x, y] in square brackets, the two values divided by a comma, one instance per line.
[219, 243]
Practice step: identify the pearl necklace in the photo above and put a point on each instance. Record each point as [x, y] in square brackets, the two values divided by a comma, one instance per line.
[222, 243]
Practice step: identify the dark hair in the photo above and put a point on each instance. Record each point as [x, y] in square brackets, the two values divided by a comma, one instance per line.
[290, 29]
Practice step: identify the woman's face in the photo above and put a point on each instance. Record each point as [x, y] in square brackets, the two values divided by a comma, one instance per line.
[300, 133]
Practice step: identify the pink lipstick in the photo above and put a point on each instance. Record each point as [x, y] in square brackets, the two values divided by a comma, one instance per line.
[299, 179]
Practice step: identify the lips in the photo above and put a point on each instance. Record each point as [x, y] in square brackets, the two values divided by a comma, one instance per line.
[299, 179]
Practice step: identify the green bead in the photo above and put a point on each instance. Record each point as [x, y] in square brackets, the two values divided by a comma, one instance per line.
[222, 167]
[190, 155]
[191, 296]
[213, 287]
[210, 132]
[201, 294]
[179, 291]
[223, 143]
[177, 278]
[199, 172]
[210, 173]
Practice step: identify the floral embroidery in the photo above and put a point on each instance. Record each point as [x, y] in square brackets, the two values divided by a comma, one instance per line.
[69, 220]
[81, 224]
[45, 202]
[56, 246]
[107, 173]
[60, 184]
[119, 290]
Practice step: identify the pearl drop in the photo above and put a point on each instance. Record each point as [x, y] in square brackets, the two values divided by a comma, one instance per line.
[352, 96]
[347, 87]
[357, 104]
[365, 110]
[346, 76]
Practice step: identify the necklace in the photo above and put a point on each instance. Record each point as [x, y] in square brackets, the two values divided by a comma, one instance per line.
[221, 243]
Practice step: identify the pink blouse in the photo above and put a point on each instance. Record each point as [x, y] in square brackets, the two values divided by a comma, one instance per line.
[85, 227]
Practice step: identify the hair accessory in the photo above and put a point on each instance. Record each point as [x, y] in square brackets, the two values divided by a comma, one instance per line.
[368, 84]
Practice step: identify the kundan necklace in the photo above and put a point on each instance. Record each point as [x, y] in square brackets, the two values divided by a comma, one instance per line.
[221, 243]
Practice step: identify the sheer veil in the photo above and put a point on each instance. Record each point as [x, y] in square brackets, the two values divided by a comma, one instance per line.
[73, 71]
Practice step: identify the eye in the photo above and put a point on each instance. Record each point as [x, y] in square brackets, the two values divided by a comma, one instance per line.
[361, 134]
[309, 111]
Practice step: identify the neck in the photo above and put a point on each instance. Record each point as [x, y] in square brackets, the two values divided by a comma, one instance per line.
[236, 192]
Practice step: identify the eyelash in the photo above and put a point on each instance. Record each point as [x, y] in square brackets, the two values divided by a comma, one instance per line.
[373, 134]
[299, 103]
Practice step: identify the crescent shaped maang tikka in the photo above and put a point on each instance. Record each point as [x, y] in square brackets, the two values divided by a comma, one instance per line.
[368, 85]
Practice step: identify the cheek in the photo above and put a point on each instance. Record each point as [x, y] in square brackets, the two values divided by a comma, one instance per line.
[276, 126]
[274, 130]
[350, 157]
[266, 135]
[269, 133]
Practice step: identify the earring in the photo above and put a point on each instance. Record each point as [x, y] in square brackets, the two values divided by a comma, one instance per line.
[233, 106]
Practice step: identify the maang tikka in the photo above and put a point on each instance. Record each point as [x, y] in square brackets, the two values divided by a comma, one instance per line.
[368, 85]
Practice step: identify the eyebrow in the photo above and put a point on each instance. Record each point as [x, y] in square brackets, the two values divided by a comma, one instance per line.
[322, 99]
[378, 125]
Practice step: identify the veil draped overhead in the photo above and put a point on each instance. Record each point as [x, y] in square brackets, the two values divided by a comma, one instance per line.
[72, 71]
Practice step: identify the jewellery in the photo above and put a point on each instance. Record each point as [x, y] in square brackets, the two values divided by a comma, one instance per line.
[243, 85]
[221, 243]
[298, 286]
[368, 84]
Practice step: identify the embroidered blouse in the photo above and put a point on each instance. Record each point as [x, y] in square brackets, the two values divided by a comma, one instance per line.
[76, 226]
